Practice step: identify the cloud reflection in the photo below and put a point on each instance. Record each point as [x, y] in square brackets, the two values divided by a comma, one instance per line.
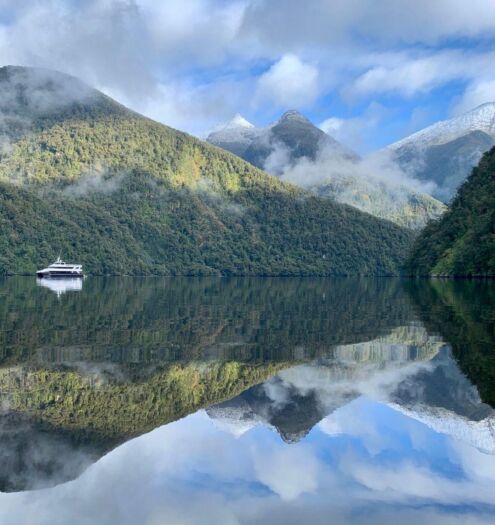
[193, 472]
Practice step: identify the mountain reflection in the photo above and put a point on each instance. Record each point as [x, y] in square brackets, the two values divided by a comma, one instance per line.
[433, 391]
[327, 360]
[150, 320]
[463, 313]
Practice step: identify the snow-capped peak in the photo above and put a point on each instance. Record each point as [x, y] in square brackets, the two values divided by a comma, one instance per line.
[481, 118]
[239, 121]
[235, 135]
[236, 122]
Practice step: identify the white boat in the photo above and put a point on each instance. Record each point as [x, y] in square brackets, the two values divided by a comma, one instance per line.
[61, 269]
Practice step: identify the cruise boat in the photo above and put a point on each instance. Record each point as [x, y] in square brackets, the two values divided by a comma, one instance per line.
[61, 269]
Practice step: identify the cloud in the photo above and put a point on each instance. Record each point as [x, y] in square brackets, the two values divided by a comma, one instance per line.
[201, 31]
[190, 472]
[374, 170]
[407, 74]
[289, 83]
[192, 64]
[477, 92]
[289, 24]
[356, 132]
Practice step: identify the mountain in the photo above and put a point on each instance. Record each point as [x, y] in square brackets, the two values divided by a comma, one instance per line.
[395, 202]
[280, 144]
[83, 176]
[235, 136]
[462, 242]
[289, 139]
[446, 152]
[297, 151]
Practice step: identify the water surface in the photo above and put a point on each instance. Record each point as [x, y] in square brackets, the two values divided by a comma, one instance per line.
[205, 400]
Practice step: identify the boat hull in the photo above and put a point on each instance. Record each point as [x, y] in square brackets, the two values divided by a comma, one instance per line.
[58, 275]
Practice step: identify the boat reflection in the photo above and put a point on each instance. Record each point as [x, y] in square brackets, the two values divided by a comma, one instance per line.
[61, 285]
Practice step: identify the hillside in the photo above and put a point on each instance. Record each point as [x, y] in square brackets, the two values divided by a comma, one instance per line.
[394, 202]
[297, 151]
[83, 176]
[446, 152]
[462, 242]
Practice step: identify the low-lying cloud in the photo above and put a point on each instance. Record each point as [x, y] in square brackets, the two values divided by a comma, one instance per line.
[94, 182]
[374, 184]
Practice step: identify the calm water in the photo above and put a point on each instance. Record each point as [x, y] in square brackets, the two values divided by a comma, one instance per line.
[242, 401]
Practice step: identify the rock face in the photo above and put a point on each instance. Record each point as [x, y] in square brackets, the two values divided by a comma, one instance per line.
[294, 149]
[446, 152]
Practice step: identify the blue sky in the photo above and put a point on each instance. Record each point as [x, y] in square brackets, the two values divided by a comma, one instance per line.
[368, 71]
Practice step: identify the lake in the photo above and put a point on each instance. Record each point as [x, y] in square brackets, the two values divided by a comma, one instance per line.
[246, 401]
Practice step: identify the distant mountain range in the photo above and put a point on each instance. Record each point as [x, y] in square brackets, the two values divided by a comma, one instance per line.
[84, 176]
[436, 159]
[446, 152]
[297, 151]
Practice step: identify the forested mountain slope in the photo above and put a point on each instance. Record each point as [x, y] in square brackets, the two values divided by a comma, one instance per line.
[299, 152]
[82, 176]
[462, 242]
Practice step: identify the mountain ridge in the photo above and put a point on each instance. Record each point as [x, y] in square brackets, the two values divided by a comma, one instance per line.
[480, 118]
[299, 152]
[462, 242]
[446, 152]
[123, 194]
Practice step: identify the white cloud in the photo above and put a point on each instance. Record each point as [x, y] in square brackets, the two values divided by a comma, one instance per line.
[410, 73]
[355, 132]
[160, 55]
[478, 92]
[289, 83]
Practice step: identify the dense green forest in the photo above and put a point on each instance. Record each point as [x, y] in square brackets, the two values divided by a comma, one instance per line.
[462, 242]
[82, 176]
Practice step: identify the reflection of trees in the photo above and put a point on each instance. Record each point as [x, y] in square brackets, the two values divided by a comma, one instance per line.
[143, 320]
[122, 356]
[463, 312]
[91, 411]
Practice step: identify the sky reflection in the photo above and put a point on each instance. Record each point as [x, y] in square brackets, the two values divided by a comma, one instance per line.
[365, 463]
